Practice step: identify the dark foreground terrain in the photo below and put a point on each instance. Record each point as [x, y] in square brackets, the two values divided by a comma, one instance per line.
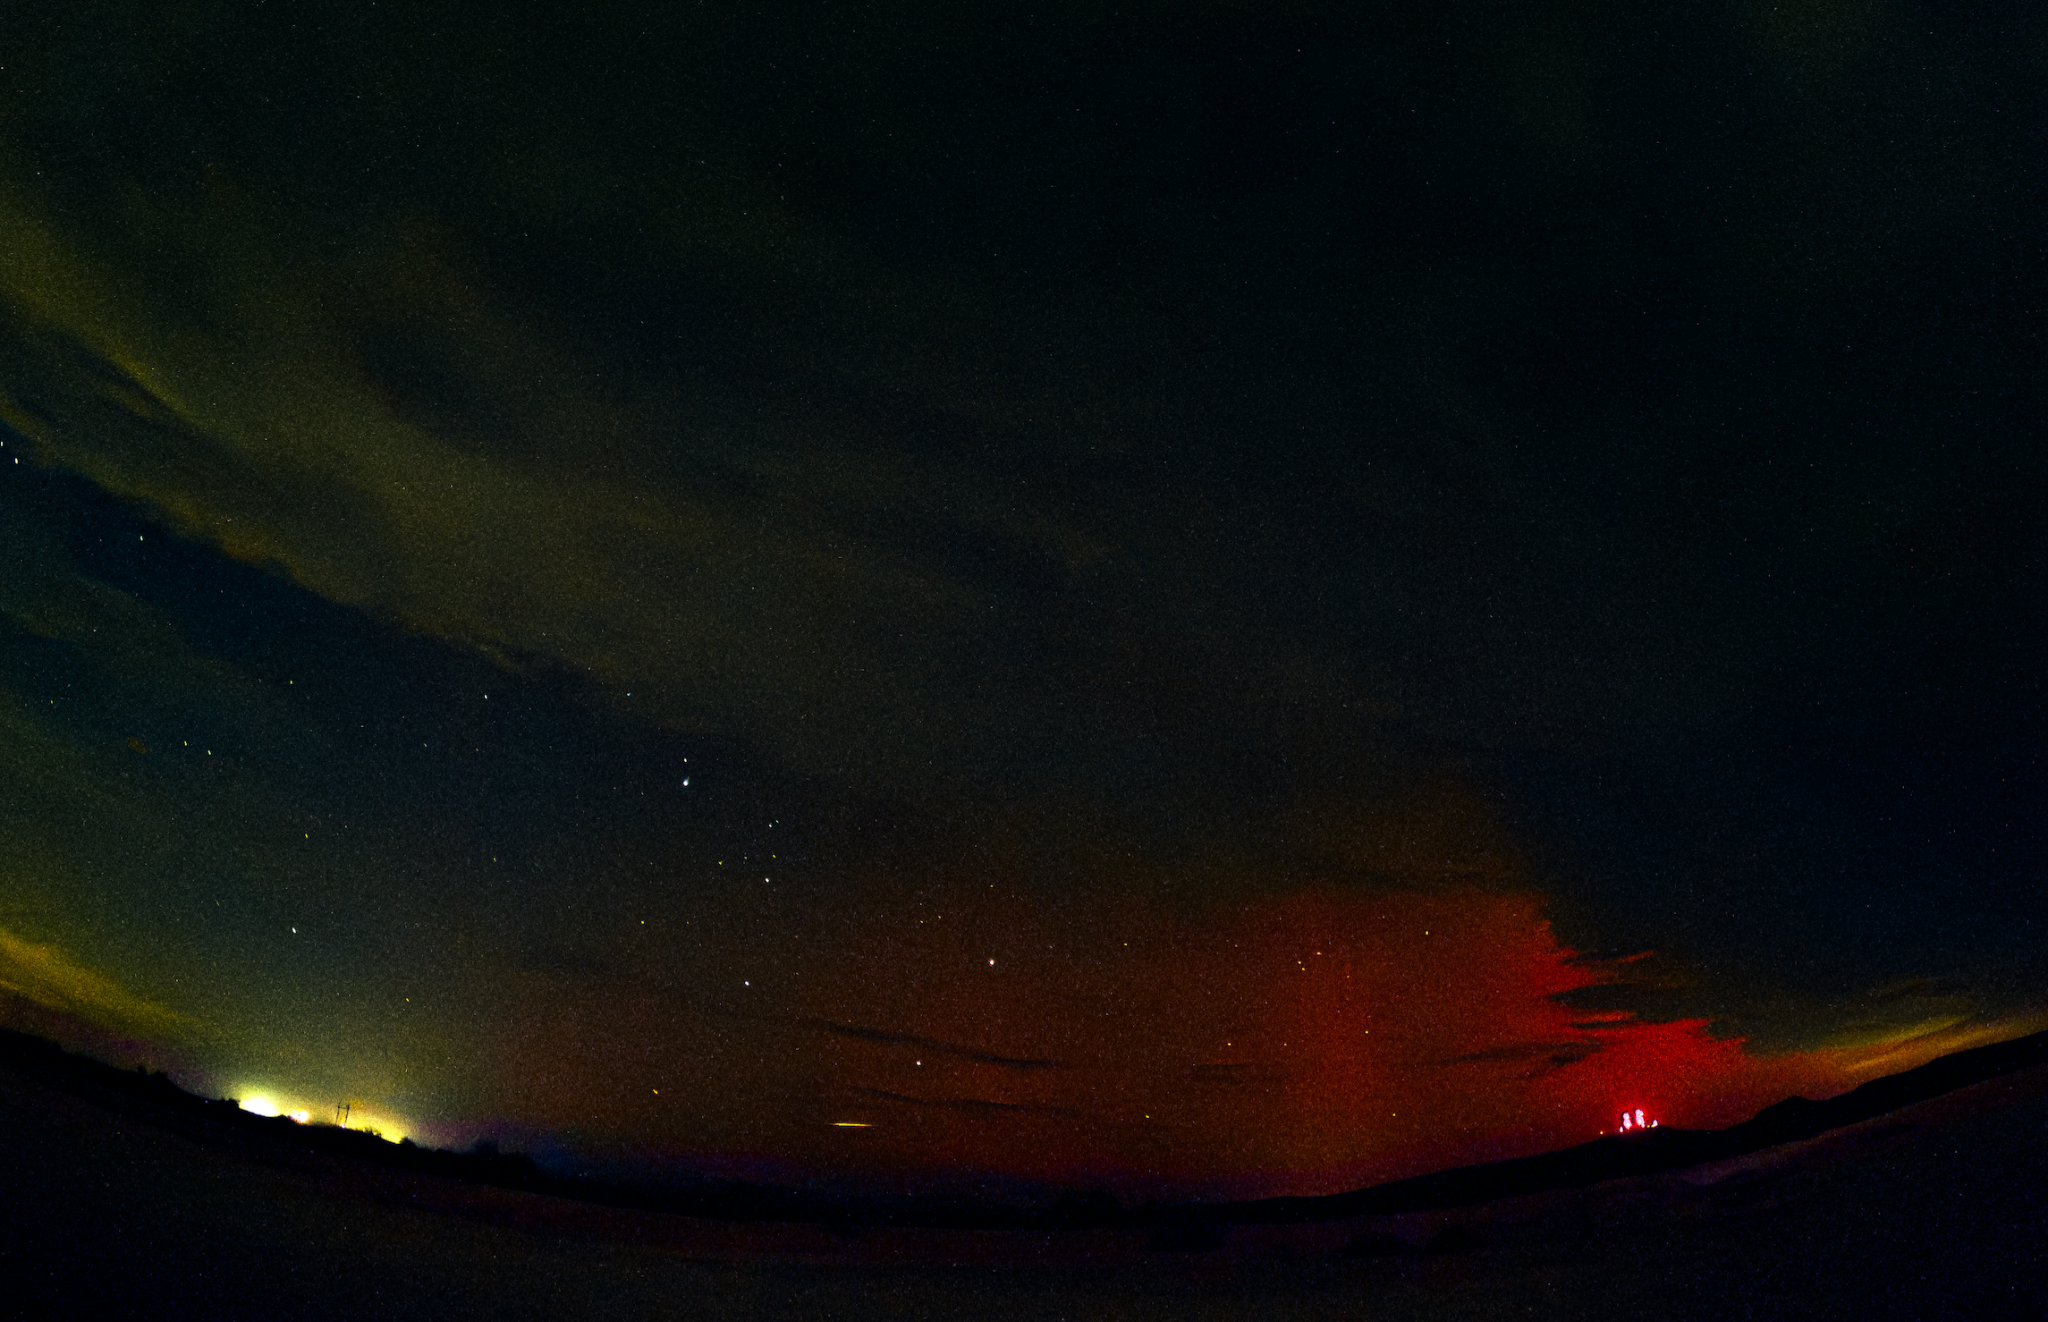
[1921, 1195]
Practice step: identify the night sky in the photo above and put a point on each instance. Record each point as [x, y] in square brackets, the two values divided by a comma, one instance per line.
[1207, 597]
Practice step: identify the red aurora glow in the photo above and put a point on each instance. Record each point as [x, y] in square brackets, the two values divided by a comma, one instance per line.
[1304, 1043]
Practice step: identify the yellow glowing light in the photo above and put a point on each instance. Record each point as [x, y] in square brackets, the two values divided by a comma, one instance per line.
[265, 1105]
[850, 1124]
[370, 1122]
[355, 1117]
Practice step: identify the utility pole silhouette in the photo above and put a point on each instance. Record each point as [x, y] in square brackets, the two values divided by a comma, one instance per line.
[341, 1110]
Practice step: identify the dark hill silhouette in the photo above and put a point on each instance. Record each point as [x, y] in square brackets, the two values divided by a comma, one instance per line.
[156, 1099]
[1642, 1152]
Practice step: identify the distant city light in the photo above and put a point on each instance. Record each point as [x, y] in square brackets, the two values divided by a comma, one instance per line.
[346, 1115]
[1634, 1120]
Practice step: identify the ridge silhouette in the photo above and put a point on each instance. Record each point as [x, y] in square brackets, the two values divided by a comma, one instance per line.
[153, 1096]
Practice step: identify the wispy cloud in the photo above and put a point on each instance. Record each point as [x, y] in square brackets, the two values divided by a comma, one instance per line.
[930, 1044]
[975, 1105]
[48, 977]
[1541, 1057]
